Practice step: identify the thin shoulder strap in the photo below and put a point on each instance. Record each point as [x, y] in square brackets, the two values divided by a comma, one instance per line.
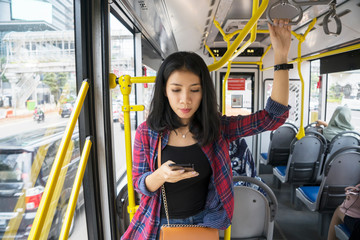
[163, 187]
[159, 151]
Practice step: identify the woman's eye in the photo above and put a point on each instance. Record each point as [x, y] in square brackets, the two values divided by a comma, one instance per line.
[195, 90]
[175, 90]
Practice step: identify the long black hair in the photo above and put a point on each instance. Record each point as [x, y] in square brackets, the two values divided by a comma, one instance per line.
[205, 123]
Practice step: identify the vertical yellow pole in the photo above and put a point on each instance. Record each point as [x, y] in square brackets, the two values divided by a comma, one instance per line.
[125, 87]
[224, 88]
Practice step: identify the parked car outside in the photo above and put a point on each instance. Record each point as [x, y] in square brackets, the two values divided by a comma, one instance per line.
[19, 182]
[66, 110]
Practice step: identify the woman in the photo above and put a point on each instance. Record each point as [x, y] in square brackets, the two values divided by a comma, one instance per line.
[185, 116]
[340, 121]
[349, 215]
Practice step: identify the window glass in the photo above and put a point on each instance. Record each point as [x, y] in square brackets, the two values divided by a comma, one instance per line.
[122, 63]
[37, 95]
[343, 89]
[315, 92]
[148, 90]
[294, 99]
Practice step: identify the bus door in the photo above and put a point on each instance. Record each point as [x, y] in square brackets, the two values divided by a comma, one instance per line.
[240, 95]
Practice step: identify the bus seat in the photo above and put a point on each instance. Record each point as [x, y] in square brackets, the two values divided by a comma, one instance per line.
[341, 140]
[306, 155]
[254, 213]
[341, 170]
[279, 147]
[313, 128]
[342, 232]
[264, 155]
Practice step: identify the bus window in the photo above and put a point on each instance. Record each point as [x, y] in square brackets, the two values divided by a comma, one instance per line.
[294, 98]
[147, 90]
[122, 63]
[343, 88]
[315, 92]
[37, 92]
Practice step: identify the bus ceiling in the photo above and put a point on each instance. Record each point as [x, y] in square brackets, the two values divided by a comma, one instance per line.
[169, 24]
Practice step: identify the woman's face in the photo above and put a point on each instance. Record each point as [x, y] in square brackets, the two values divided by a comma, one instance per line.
[184, 92]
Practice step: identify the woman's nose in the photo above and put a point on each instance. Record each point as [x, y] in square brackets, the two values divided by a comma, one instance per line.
[185, 98]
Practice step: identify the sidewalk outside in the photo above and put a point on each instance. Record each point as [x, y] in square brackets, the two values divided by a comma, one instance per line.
[11, 114]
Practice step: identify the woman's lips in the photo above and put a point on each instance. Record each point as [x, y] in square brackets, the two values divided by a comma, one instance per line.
[185, 110]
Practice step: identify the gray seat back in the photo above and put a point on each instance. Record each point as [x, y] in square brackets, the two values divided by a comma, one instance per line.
[341, 140]
[279, 147]
[306, 155]
[341, 170]
[254, 212]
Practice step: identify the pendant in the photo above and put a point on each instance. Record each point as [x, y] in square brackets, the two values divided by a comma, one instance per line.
[183, 136]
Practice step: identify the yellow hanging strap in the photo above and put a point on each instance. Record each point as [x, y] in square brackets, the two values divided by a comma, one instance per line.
[301, 38]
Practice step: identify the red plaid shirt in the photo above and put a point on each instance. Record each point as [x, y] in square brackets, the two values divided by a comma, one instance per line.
[220, 200]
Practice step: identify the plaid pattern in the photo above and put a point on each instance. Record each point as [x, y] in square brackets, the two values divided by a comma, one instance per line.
[220, 200]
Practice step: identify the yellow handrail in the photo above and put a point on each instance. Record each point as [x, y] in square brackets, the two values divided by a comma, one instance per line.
[38, 223]
[227, 233]
[125, 82]
[225, 58]
[224, 88]
[301, 132]
[211, 53]
[75, 190]
[57, 192]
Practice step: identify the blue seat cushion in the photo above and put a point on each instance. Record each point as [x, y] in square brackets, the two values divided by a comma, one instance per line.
[310, 192]
[281, 170]
[344, 229]
[264, 155]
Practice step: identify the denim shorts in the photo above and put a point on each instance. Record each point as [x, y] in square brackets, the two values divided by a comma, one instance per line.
[194, 220]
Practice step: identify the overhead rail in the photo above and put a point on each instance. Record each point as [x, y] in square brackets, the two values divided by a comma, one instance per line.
[69, 215]
[52, 189]
[233, 47]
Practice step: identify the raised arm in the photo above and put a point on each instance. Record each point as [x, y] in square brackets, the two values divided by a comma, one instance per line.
[280, 35]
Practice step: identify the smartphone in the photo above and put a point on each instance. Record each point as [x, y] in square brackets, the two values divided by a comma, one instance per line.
[180, 166]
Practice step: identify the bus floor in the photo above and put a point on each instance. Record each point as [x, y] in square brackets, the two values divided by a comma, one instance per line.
[292, 224]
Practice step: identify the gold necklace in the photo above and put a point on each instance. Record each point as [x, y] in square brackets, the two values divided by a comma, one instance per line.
[184, 135]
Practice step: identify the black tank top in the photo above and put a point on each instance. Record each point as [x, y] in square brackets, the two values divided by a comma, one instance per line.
[187, 197]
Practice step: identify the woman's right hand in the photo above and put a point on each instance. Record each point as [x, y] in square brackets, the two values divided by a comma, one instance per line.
[172, 176]
[321, 123]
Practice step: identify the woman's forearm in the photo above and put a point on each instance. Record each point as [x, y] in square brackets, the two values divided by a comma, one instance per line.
[280, 90]
[154, 181]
